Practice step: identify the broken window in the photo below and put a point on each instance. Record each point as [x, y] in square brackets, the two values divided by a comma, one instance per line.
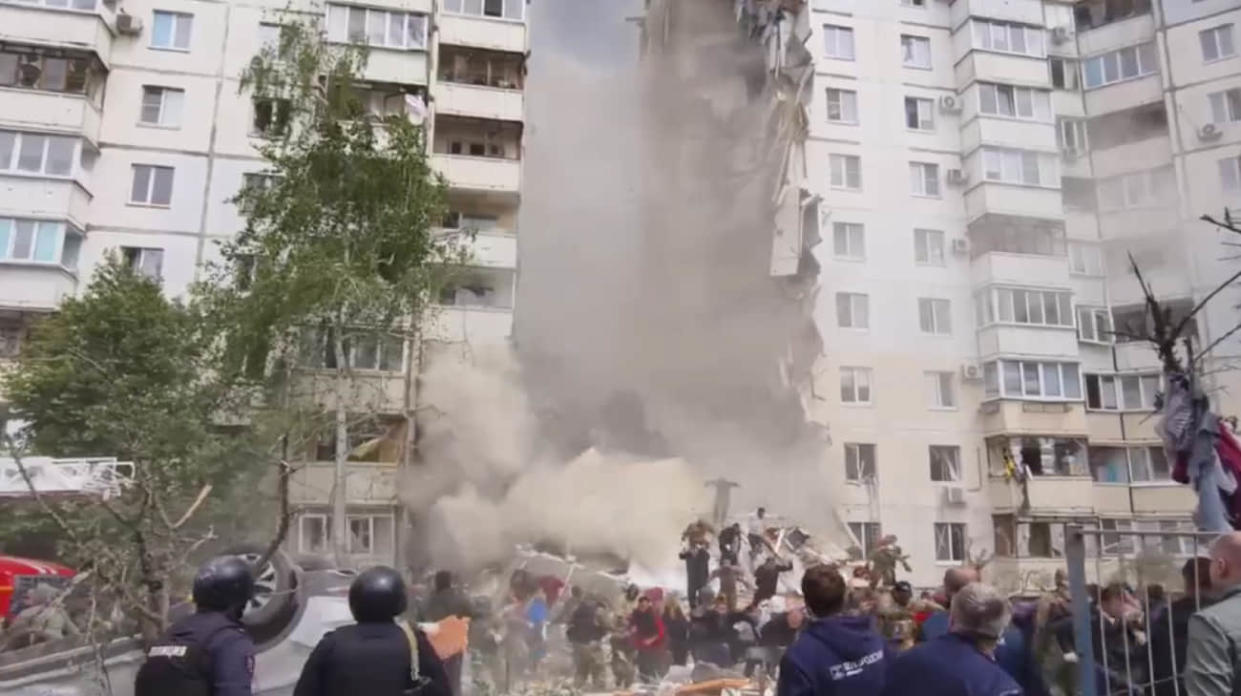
[371, 439]
[1005, 535]
[314, 533]
[945, 463]
[950, 542]
[859, 462]
[866, 534]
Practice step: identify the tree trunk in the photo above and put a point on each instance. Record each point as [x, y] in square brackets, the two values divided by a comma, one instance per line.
[340, 526]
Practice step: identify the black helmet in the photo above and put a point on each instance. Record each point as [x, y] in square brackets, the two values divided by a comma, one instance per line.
[378, 594]
[225, 583]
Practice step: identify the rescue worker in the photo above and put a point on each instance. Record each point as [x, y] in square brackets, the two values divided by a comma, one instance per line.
[207, 653]
[374, 657]
[44, 620]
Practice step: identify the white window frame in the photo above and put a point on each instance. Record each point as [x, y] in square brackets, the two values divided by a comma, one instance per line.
[1010, 166]
[1067, 378]
[1070, 68]
[1225, 105]
[1220, 41]
[146, 261]
[150, 187]
[939, 311]
[1085, 259]
[943, 390]
[19, 139]
[853, 308]
[1144, 58]
[861, 389]
[949, 532]
[1072, 134]
[929, 247]
[838, 42]
[849, 241]
[857, 467]
[171, 105]
[41, 232]
[370, 518]
[1116, 544]
[176, 18]
[987, 36]
[1230, 174]
[862, 533]
[1113, 394]
[923, 111]
[949, 457]
[914, 49]
[1149, 188]
[924, 179]
[321, 519]
[840, 167]
[1000, 306]
[1094, 325]
[845, 106]
[341, 34]
[511, 10]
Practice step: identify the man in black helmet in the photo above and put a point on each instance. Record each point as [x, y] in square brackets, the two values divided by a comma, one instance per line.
[374, 657]
[207, 653]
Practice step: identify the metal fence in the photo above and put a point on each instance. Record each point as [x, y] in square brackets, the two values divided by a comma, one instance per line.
[1130, 602]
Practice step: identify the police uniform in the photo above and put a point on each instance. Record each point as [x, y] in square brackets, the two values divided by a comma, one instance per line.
[370, 659]
[229, 652]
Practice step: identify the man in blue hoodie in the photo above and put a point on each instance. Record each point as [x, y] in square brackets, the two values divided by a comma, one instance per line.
[836, 655]
[962, 662]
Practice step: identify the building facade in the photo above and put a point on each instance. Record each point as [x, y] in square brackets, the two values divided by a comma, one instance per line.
[123, 129]
[988, 167]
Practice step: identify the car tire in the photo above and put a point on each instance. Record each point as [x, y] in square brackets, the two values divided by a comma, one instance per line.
[274, 606]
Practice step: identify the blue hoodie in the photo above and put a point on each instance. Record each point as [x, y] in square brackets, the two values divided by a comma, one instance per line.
[836, 656]
[948, 666]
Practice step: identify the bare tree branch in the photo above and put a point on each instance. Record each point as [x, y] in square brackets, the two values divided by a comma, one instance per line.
[202, 495]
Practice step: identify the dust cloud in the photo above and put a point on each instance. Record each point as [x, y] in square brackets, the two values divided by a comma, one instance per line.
[654, 349]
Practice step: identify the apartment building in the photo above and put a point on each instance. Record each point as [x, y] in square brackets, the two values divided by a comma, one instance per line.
[989, 166]
[123, 128]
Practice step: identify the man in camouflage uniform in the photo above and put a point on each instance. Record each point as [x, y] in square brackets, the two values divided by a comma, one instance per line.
[587, 627]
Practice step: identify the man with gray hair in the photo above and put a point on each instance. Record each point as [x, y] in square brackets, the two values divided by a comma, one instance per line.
[1211, 664]
[961, 663]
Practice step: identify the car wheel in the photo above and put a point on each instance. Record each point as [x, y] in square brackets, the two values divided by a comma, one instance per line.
[274, 605]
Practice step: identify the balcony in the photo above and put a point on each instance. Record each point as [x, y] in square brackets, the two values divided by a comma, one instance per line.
[398, 67]
[1064, 495]
[1115, 35]
[1137, 223]
[459, 324]
[1124, 95]
[490, 248]
[371, 391]
[482, 32]
[1020, 269]
[1041, 341]
[366, 483]
[38, 197]
[1112, 499]
[1132, 157]
[989, 197]
[984, 66]
[1019, 11]
[479, 173]
[1008, 132]
[479, 101]
[27, 109]
[39, 287]
[1136, 355]
[1164, 499]
[1011, 417]
[34, 24]
[1080, 224]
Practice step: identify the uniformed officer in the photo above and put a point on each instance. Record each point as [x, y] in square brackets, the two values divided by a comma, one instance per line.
[374, 657]
[207, 653]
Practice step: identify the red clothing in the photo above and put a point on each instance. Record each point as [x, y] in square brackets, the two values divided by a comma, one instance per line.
[648, 632]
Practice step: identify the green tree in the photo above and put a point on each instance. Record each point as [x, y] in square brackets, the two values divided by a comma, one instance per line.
[339, 244]
[124, 372]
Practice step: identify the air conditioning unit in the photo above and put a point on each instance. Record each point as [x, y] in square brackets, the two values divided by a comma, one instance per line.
[128, 24]
[961, 247]
[1209, 132]
[956, 177]
[949, 104]
[954, 495]
[1060, 35]
[971, 371]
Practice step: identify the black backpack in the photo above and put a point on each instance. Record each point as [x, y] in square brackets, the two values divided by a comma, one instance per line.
[177, 667]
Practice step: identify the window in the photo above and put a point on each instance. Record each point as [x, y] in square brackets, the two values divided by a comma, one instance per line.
[38, 241]
[1116, 544]
[945, 463]
[943, 393]
[171, 30]
[1008, 38]
[1041, 381]
[846, 172]
[152, 185]
[257, 181]
[1145, 189]
[314, 533]
[161, 106]
[924, 179]
[866, 534]
[370, 535]
[1017, 306]
[1044, 456]
[1117, 66]
[1072, 132]
[1015, 102]
[935, 316]
[269, 36]
[859, 462]
[32, 153]
[1226, 105]
[919, 114]
[852, 310]
[1064, 73]
[1149, 465]
[950, 542]
[1217, 43]
[849, 240]
[506, 9]
[1018, 167]
[271, 116]
[913, 3]
[855, 385]
[838, 42]
[381, 28]
[144, 261]
[363, 351]
[916, 52]
[1085, 259]
[1122, 392]
[841, 106]
[1094, 325]
[1229, 172]
[65, 4]
[929, 247]
[45, 72]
